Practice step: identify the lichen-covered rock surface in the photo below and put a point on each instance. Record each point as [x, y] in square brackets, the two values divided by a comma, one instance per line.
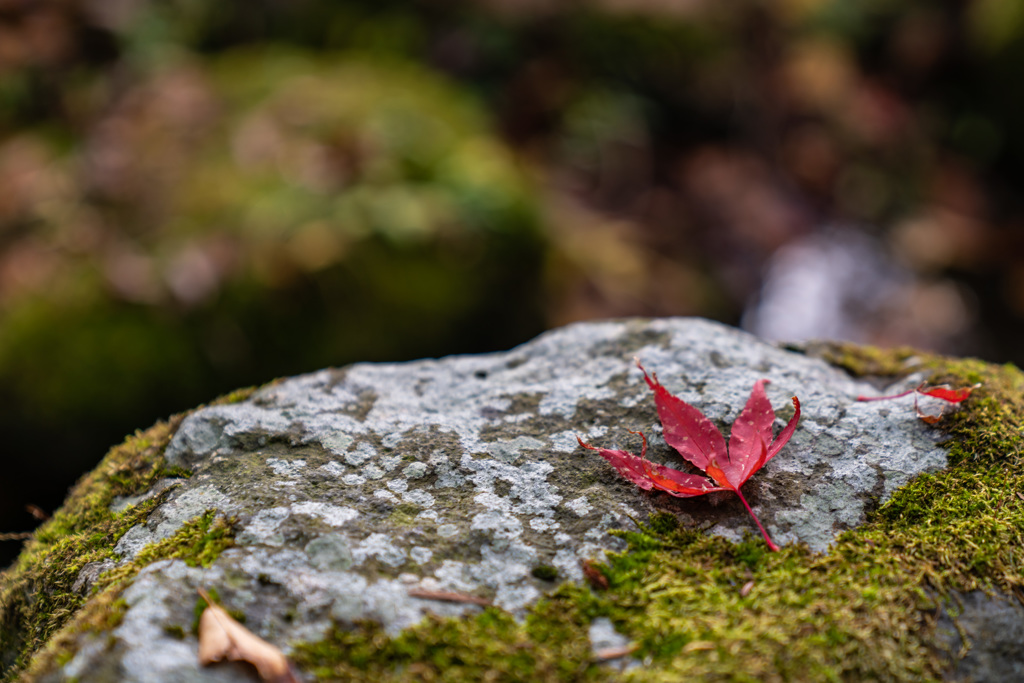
[345, 490]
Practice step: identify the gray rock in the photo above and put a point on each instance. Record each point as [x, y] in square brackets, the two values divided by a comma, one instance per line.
[463, 474]
[994, 626]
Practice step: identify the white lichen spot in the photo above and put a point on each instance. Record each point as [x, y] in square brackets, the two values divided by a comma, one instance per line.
[419, 497]
[427, 515]
[629, 511]
[385, 495]
[353, 480]
[362, 453]
[421, 555]
[635, 399]
[390, 463]
[543, 524]
[372, 472]
[447, 530]
[398, 485]
[262, 527]
[336, 442]
[454, 575]
[564, 442]
[448, 476]
[332, 515]
[392, 439]
[509, 451]
[380, 547]
[581, 506]
[567, 561]
[501, 524]
[286, 468]
[492, 501]
[333, 469]
[415, 470]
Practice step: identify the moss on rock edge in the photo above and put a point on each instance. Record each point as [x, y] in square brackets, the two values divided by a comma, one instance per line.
[865, 611]
[39, 607]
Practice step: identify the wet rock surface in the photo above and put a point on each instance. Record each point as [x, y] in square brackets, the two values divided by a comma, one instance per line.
[353, 486]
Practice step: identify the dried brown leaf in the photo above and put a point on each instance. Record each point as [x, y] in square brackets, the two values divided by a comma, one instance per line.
[221, 637]
[610, 653]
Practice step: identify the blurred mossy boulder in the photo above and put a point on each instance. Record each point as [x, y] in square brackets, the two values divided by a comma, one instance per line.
[258, 214]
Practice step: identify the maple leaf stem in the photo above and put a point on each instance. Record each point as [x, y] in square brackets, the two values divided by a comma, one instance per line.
[771, 546]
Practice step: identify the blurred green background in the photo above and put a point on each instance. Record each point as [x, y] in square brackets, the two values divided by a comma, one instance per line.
[197, 196]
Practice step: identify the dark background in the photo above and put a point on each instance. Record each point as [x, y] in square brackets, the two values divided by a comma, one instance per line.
[197, 196]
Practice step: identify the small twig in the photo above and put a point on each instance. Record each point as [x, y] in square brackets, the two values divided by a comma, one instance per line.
[37, 512]
[609, 653]
[448, 596]
[699, 645]
[16, 536]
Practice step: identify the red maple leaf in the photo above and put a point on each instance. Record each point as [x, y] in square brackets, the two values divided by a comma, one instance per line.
[694, 436]
[941, 391]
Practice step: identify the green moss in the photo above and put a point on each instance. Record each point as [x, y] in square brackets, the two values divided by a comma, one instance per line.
[175, 631]
[404, 514]
[703, 608]
[198, 543]
[36, 594]
[551, 645]
[236, 396]
[862, 361]
[544, 572]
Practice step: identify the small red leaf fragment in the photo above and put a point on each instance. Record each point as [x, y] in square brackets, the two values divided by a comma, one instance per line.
[942, 391]
[948, 394]
[747, 587]
[1020, 495]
